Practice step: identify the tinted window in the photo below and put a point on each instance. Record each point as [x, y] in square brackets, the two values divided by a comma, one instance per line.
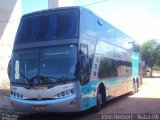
[123, 41]
[123, 68]
[59, 61]
[25, 65]
[45, 65]
[109, 68]
[106, 32]
[50, 26]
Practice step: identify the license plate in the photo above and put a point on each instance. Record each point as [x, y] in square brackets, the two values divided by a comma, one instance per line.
[40, 107]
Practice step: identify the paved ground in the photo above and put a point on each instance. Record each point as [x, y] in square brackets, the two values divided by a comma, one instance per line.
[146, 101]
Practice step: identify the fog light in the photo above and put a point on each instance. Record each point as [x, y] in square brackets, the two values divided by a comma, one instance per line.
[72, 91]
[18, 95]
[14, 93]
[21, 96]
[63, 93]
[67, 92]
[59, 95]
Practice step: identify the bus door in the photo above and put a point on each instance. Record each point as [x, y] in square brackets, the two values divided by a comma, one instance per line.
[84, 75]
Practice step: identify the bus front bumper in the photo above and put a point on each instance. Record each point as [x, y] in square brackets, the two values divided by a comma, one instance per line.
[67, 104]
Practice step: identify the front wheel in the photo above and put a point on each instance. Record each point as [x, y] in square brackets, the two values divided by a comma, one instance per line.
[98, 106]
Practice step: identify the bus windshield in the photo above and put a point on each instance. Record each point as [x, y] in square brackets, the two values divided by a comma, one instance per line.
[50, 26]
[45, 66]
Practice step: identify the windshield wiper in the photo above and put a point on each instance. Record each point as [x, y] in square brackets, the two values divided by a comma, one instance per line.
[49, 79]
[26, 78]
[64, 79]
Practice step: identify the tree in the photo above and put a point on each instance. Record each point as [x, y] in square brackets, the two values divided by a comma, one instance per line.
[149, 53]
[157, 54]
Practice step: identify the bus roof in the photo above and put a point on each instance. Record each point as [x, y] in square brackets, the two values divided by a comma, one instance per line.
[79, 8]
[54, 10]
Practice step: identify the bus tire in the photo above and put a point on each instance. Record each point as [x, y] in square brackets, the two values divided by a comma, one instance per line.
[103, 92]
[101, 99]
[134, 87]
[97, 108]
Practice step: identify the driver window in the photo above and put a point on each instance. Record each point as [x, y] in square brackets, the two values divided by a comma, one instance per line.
[84, 64]
[84, 55]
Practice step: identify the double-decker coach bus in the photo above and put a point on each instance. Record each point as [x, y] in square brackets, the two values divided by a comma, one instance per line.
[68, 60]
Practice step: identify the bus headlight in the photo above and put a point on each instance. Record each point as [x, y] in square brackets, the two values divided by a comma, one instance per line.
[65, 93]
[17, 95]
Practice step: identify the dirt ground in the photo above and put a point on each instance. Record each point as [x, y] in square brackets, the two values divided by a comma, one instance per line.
[146, 101]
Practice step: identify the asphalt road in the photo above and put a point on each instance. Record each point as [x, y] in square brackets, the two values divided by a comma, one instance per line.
[143, 105]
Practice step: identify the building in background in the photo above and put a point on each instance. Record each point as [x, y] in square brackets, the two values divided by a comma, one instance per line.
[10, 14]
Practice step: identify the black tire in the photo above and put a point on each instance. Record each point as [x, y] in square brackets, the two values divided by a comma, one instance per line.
[101, 100]
[97, 108]
[134, 88]
[104, 100]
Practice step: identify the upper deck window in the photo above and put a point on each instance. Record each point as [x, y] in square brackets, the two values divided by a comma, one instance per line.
[49, 26]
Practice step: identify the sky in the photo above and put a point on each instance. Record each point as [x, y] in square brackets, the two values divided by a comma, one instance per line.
[140, 19]
[33, 5]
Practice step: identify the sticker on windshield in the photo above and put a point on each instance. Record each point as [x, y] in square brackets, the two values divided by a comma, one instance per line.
[17, 76]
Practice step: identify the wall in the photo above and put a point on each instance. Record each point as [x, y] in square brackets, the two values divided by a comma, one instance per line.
[10, 13]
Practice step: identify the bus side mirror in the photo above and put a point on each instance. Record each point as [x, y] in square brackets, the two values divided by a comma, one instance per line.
[84, 68]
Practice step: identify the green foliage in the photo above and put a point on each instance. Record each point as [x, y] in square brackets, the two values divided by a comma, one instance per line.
[150, 52]
[157, 54]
